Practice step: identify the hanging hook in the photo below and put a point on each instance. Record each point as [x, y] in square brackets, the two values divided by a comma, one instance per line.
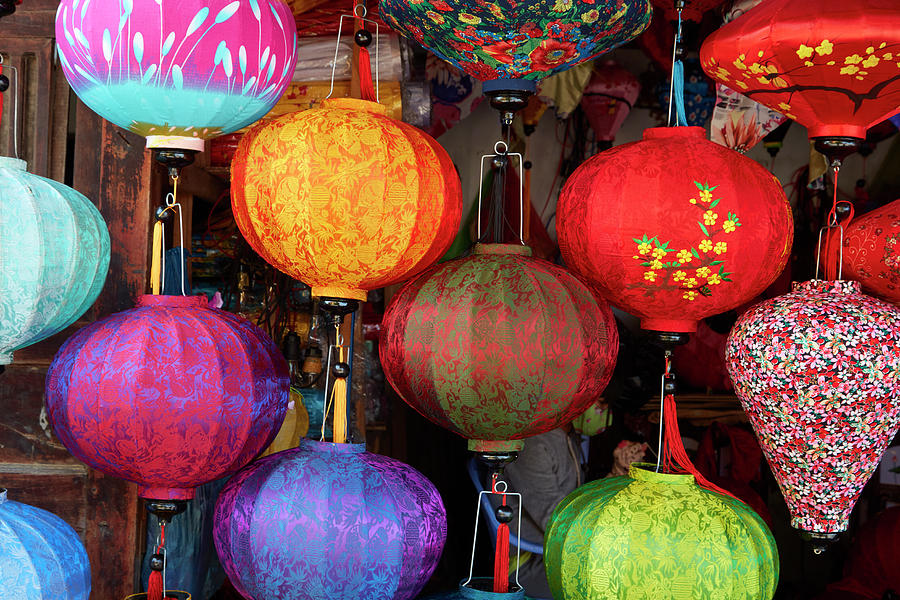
[501, 150]
[337, 47]
[4, 86]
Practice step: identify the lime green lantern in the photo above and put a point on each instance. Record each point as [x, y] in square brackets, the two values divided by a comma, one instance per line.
[657, 536]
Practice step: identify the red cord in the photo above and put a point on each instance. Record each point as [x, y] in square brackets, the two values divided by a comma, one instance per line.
[366, 86]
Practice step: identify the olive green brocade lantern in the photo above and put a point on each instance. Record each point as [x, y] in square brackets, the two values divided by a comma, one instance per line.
[657, 536]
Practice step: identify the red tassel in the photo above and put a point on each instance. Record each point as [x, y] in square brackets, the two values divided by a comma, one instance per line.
[366, 87]
[155, 586]
[675, 458]
[501, 560]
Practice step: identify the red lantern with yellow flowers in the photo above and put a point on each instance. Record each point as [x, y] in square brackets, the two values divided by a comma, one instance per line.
[345, 198]
[674, 228]
[833, 70]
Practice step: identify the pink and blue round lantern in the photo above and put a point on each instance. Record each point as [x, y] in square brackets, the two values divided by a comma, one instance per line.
[169, 395]
[54, 255]
[41, 556]
[177, 72]
[329, 521]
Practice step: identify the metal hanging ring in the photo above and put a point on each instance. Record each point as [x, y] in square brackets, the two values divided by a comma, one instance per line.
[364, 11]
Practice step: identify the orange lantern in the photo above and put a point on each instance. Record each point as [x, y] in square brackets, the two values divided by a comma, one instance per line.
[344, 198]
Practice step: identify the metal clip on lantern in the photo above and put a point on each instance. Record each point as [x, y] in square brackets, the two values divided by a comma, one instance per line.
[504, 514]
[501, 157]
[363, 39]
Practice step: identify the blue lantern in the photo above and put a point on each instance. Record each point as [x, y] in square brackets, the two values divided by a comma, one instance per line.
[41, 556]
[54, 254]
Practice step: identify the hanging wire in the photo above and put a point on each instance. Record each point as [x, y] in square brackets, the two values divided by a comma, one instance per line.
[674, 55]
[662, 398]
[173, 205]
[337, 45]
[496, 490]
[501, 150]
[15, 99]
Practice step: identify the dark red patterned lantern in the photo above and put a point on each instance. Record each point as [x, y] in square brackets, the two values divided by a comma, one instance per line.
[169, 395]
[674, 228]
[498, 346]
[872, 251]
[832, 69]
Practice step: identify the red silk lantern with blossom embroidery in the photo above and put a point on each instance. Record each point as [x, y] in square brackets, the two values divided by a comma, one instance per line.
[872, 252]
[674, 228]
[833, 70]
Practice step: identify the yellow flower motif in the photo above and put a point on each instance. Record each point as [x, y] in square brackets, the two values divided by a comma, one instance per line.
[887, 56]
[830, 63]
[871, 61]
[759, 54]
[809, 63]
[703, 272]
[496, 10]
[739, 62]
[824, 48]
[706, 195]
[706, 245]
[709, 218]
[644, 247]
[763, 80]
[658, 253]
[882, 45]
[771, 69]
[690, 282]
[693, 201]
[870, 49]
[723, 73]
[470, 19]
[656, 265]
[650, 275]
[685, 256]
[591, 16]
[784, 106]
[744, 86]
[635, 256]
[562, 5]
[720, 248]
[854, 59]
[728, 226]
[714, 279]
[804, 51]
[779, 82]
[756, 68]
[435, 17]
[679, 276]
[849, 70]
[690, 295]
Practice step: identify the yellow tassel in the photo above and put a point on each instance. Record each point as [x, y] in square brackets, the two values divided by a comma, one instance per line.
[339, 400]
[155, 260]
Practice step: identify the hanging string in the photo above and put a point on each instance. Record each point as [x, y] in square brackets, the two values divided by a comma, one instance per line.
[501, 550]
[834, 237]
[156, 583]
[157, 256]
[337, 398]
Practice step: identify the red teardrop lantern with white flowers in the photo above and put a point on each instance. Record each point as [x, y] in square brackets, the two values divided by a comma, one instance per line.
[674, 228]
[818, 373]
[872, 251]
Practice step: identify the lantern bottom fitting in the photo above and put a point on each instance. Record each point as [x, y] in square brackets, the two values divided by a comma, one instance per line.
[339, 292]
[166, 493]
[496, 446]
[669, 325]
[176, 594]
[180, 142]
[837, 147]
[482, 588]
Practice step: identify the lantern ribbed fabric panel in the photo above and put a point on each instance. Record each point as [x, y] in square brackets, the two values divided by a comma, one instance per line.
[833, 70]
[871, 251]
[190, 69]
[674, 228]
[657, 536]
[509, 39]
[41, 556]
[818, 373]
[345, 198]
[54, 255]
[498, 346]
[169, 395]
[329, 521]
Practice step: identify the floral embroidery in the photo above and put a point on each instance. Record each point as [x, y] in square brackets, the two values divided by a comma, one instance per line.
[697, 268]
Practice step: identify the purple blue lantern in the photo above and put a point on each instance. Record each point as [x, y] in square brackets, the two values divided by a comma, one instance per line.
[329, 521]
[41, 556]
[177, 72]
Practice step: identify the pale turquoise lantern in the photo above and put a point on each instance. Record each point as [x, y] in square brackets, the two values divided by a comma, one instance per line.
[54, 254]
[41, 556]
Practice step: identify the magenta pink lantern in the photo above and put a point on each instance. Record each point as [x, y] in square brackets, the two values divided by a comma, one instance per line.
[180, 72]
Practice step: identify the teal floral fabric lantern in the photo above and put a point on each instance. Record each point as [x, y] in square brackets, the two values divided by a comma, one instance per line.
[657, 536]
[54, 254]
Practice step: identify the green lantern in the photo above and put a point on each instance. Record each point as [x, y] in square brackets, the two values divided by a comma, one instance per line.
[657, 536]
